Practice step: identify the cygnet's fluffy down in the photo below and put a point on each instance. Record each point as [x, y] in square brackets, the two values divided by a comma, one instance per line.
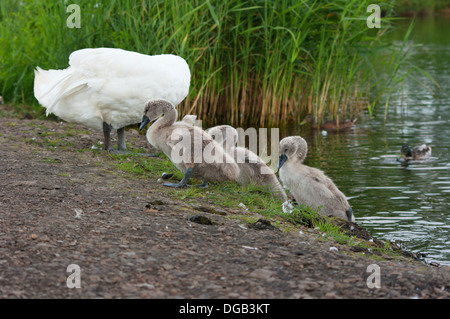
[252, 168]
[107, 88]
[310, 186]
[189, 148]
[190, 119]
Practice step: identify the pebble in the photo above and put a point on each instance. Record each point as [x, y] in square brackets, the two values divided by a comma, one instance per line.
[200, 219]
[33, 236]
[262, 273]
[434, 263]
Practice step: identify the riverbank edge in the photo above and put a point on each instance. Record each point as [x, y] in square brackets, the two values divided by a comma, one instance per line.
[298, 223]
[219, 216]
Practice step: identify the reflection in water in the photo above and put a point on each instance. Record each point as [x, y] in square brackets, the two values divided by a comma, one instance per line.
[407, 203]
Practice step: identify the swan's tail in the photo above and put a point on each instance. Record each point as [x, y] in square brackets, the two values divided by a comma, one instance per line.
[52, 85]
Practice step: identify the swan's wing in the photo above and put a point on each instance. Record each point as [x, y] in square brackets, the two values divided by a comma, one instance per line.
[122, 74]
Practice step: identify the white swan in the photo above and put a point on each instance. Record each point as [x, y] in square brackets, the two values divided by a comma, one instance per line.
[107, 88]
[189, 148]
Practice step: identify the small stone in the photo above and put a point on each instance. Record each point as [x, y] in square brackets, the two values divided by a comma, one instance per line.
[331, 295]
[203, 220]
[167, 266]
[262, 274]
[166, 175]
[85, 136]
[262, 224]
[33, 236]
[434, 263]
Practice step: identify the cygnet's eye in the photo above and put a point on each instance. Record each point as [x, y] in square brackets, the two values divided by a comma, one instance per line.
[285, 150]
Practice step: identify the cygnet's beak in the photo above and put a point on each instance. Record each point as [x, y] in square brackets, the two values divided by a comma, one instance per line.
[145, 121]
[281, 161]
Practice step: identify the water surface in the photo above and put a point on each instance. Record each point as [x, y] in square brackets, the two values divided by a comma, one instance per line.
[407, 204]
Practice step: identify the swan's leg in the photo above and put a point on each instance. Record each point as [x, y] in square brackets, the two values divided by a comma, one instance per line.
[107, 133]
[183, 182]
[121, 146]
[203, 185]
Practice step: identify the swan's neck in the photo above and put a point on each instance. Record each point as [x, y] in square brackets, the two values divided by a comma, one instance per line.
[300, 154]
[169, 117]
[299, 158]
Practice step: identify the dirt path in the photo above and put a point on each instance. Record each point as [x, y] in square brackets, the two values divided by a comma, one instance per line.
[62, 204]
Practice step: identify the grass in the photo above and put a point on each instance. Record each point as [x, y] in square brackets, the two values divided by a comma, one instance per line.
[253, 62]
[226, 194]
[251, 202]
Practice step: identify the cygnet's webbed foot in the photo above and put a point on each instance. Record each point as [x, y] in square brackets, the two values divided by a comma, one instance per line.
[175, 185]
[203, 185]
[183, 182]
[118, 152]
[147, 154]
[126, 152]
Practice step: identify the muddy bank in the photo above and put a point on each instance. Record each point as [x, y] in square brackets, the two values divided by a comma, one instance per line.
[63, 203]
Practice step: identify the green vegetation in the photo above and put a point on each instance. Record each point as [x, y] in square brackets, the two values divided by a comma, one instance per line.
[247, 204]
[249, 201]
[254, 62]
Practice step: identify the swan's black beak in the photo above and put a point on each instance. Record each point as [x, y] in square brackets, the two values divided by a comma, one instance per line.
[145, 121]
[281, 161]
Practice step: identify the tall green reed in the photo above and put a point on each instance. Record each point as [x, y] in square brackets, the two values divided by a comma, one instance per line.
[254, 62]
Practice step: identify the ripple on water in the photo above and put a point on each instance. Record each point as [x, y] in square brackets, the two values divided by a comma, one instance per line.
[437, 168]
